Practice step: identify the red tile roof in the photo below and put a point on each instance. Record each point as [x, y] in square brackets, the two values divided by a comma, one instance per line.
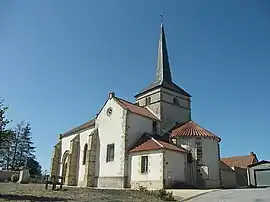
[153, 144]
[240, 161]
[192, 129]
[136, 109]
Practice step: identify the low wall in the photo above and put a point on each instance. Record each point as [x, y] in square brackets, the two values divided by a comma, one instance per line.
[6, 175]
[228, 179]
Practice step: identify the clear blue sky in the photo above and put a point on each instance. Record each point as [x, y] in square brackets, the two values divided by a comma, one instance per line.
[60, 59]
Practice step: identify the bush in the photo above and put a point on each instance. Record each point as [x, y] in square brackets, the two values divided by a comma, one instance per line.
[14, 178]
[161, 193]
[165, 195]
[142, 189]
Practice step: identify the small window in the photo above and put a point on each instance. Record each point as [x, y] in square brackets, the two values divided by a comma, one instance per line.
[144, 164]
[154, 126]
[84, 153]
[110, 152]
[109, 111]
[148, 101]
[175, 101]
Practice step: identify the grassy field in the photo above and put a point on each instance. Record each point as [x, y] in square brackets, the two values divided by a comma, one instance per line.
[37, 192]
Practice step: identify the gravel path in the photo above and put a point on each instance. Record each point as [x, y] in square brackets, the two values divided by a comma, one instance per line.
[236, 195]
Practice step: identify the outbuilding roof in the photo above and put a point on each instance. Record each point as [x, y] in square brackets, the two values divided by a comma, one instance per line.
[150, 143]
[240, 161]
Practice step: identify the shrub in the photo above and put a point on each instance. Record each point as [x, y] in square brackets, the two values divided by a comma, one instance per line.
[14, 177]
[165, 195]
[161, 193]
[142, 189]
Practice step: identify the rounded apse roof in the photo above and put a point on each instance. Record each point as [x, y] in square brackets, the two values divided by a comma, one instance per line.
[192, 129]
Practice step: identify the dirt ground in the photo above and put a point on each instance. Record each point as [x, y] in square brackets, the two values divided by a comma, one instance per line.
[37, 192]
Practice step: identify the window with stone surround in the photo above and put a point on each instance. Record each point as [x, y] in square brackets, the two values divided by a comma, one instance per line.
[84, 153]
[110, 152]
[144, 164]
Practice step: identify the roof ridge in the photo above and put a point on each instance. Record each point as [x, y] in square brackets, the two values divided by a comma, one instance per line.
[157, 142]
[152, 138]
[120, 99]
[79, 127]
[235, 157]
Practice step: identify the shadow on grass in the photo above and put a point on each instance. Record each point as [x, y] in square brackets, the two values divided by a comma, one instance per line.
[11, 197]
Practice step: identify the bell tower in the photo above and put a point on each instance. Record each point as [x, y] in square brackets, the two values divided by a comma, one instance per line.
[166, 99]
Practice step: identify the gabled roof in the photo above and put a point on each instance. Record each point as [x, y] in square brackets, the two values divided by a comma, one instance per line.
[192, 129]
[150, 144]
[88, 124]
[136, 109]
[240, 161]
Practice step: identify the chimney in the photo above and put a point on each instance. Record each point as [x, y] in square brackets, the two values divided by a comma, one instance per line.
[252, 154]
[111, 95]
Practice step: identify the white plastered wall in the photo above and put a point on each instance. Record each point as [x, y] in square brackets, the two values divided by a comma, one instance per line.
[111, 130]
[153, 179]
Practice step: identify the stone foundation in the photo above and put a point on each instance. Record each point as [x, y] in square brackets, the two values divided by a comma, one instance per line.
[111, 182]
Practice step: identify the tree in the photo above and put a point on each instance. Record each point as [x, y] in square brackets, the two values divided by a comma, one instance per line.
[4, 133]
[16, 145]
[22, 145]
[34, 166]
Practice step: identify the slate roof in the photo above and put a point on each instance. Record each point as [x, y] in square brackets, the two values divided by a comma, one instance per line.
[171, 86]
[240, 161]
[163, 72]
[192, 129]
[88, 124]
[151, 143]
[136, 109]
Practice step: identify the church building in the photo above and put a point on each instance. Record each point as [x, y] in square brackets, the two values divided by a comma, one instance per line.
[152, 143]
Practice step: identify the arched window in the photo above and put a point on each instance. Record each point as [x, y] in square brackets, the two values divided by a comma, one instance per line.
[84, 153]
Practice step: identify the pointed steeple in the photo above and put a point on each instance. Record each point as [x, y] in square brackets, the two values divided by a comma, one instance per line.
[163, 72]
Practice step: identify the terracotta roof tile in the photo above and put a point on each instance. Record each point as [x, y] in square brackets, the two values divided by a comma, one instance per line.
[240, 161]
[85, 125]
[136, 109]
[153, 144]
[192, 129]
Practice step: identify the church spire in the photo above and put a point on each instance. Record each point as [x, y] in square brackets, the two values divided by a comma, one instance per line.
[163, 72]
